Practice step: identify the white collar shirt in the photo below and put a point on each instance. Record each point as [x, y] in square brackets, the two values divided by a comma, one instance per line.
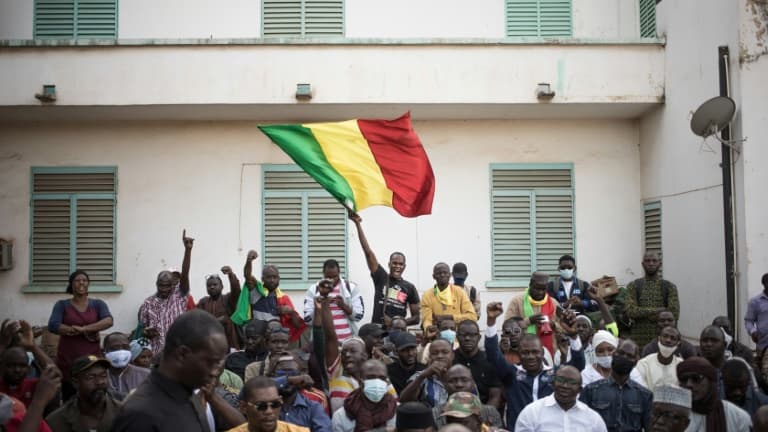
[546, 415]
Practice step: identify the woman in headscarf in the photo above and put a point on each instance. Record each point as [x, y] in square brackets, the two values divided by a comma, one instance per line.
[709, 413]
[605, 344]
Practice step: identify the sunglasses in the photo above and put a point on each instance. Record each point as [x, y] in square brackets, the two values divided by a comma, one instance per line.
[286, 373]
[263, 406]
[694, 378]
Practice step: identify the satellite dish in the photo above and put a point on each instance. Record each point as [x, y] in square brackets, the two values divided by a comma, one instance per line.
[712, 116]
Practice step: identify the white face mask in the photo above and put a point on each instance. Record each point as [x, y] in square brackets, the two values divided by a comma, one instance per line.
[666, 351]
[566, 274]
[118, 359]
[604, 361]
[375, 389]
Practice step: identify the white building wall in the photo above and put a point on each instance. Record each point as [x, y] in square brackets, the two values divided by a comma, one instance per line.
[209, 19]
[681, 171]
[205, 177]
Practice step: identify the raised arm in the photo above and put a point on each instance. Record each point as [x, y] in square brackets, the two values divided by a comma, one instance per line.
[324, 320]
[248, 268]
[370, 257]
[184, 283]
[507, 372]
[234, 286]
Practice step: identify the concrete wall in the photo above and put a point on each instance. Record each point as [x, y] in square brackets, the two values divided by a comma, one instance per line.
[192, 175]
[184, 19]
[681, 171]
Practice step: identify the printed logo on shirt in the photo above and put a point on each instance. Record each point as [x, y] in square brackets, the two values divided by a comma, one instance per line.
[397, 295]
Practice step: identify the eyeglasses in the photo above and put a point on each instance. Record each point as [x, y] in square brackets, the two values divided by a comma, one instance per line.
[263, 406]
[694, 378]
[286, 373]
[667, 416]
[567, 381]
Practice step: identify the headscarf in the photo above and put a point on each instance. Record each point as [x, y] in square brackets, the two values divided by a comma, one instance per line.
[601, 336]
[137, 346]
[711, 406]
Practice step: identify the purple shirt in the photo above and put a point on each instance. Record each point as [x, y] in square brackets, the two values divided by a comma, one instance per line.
[756, 319]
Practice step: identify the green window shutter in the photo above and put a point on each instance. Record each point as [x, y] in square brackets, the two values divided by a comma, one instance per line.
[281, 18]
[295, 18]
[532, 219]
[96, 238]
[50, 241]
[54, 19]
[647, 14]
[73, 224]
[75, 19]
[323, 18]
[303, 224]
[539, 18]
[97, 19]
[652, 227]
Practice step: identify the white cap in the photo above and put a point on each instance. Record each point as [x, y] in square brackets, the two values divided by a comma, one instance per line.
[672, 394]
[604, 336]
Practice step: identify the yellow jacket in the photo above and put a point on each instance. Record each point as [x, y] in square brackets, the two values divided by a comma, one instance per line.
[461, 309]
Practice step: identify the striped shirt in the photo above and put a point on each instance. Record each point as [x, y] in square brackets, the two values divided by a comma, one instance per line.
[159, 313]
[340, 320]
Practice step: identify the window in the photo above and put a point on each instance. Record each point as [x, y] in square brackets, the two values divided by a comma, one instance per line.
[652, 227]
[538, 18]
[303, 18]
[532, 220]
[75, 19]
[73, 225]
[303, 225]
[647, 14]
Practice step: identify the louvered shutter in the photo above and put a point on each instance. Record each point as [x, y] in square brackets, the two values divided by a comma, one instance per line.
[75, 19]
[303, 225]
[323, 18]
[554, 230]
[96, 19]
[54, 19]
[539, 18]
[73, 224]
[281, 18]
[532, 220]
[282, 235]
[50, 241]
[511, 237]
[647, 14]
[652, 227]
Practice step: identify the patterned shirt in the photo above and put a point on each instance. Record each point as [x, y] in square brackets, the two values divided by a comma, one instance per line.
[159, 313]
[644, 308]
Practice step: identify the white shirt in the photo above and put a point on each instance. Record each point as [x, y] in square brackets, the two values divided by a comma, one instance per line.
[654, 373]
[736, 420]
[590, 375]
[546, 415]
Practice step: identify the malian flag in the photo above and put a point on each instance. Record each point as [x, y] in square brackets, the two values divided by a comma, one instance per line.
[363, 163]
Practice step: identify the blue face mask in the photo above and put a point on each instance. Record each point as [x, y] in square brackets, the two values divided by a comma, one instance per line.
[566, 274]
[375, 389]
[459, 281]
[448, 335]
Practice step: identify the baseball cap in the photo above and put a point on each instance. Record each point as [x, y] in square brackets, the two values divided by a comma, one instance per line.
[459, 270]
[371, 329]
[403, 339]
[462, 405]
[85, 362]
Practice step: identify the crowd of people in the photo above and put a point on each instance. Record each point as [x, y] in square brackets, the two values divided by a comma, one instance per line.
[561, 356]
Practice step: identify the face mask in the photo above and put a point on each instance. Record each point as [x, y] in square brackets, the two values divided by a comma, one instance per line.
[622, 365]
[118, 359]
[374, 389]
[448, 335]
[604, 361]
[459, 281]
[666, 351]
[566, 274]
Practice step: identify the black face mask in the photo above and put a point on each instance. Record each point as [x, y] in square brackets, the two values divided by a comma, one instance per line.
[622, 365]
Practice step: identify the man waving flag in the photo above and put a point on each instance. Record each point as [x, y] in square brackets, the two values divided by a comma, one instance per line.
[363, 163]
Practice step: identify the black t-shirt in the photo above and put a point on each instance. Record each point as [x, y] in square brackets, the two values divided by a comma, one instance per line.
[398, 376]
[392, 296]
[483, 372]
